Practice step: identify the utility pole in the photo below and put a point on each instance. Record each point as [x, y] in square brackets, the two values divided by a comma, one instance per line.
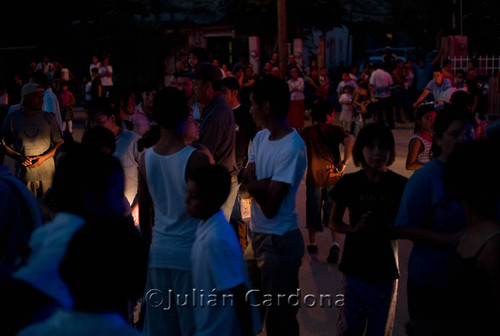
[282, 40]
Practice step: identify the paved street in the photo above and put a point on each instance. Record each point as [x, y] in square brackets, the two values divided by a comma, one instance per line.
[317, 277]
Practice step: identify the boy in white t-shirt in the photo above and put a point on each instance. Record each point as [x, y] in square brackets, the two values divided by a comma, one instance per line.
[220, 280]
[277, 162]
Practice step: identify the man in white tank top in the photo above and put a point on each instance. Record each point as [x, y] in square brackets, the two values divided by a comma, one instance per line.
[163, 219]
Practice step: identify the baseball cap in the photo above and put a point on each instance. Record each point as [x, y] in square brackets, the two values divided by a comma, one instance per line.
[30, 88]
[208, 72]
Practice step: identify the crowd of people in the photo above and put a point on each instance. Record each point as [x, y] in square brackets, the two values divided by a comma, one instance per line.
[136, 229]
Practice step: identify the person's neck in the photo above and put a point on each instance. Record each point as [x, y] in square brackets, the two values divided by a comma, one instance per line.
[234, 104]
[425, 134]
[211, 97]
[170, 142]
[116, 130]
[376, 175]
[279, 128]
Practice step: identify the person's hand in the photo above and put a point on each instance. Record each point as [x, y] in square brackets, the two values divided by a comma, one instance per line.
[25, 160]
[37, 161]
[340, 167]
[415, 104]
[365, 222]
[135, 214]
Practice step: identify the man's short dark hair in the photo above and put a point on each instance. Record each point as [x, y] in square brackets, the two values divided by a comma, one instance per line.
[274, 90]
[98, 137]
[367, 135]
[208, 72]
[483, 191]
[437, 68]
[200, 52]
[213, 182]
[320, 110]
[170, 107]
[446, 62]
[231, 83]
[99, 105]
[96, 173]
[462, 99]
[105, 264]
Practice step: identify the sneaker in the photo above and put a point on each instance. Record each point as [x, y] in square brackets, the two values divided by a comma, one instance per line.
[312, 248]
[333, 255]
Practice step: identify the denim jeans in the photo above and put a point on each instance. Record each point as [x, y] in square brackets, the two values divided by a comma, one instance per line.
[318, 201]
[366, 306]
[273, 264]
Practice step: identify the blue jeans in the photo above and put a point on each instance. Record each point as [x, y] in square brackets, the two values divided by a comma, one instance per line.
[318, 199]
[273, 264]
[366, 306]
[402, 101]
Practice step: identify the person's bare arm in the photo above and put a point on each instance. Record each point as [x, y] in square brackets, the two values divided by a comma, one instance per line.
[145, 203]
[348, 144]
[39, 159]
[267, 193]
[25, 161]
[336, 221]
[196, 160]
[438, 56]
[422, 96]
[206, 151]
[414, 148]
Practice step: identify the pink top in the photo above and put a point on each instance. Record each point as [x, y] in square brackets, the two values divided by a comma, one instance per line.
[65, 98]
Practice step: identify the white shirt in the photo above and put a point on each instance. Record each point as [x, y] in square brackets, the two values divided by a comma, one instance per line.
[217, 263]
[98, 65]
[173, 230]
[298, 88]
[128, 154]
[382, 81]
[106, 80]
[282, 160]
[51, 104]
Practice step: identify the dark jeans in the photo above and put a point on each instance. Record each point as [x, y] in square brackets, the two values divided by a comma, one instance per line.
[273, 264]
[402, 101]
[384, 106]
